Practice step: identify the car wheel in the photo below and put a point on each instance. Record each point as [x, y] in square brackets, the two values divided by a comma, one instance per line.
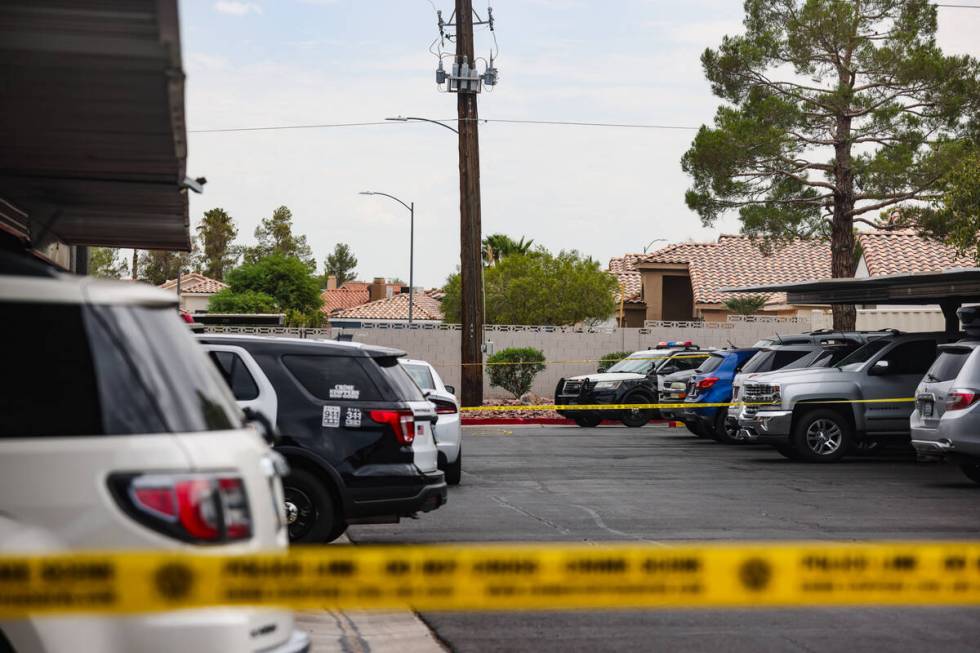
[972, 471]
[454, 470]
[695, 429]
[637, 417]
[822, 436]
[311, 514]
[588, 421]
[725, 430]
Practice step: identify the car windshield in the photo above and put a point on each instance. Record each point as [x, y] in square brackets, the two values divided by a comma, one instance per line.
[862, 355]
[421, 375]
[640, 363]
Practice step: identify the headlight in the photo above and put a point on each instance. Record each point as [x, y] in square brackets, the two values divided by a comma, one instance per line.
[776, 397]
[607, 385]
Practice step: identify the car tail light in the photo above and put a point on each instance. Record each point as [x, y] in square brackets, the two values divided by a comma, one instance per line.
[402, 422]
[200, 508]
[706, 382]
[960, 398]
[444, 407]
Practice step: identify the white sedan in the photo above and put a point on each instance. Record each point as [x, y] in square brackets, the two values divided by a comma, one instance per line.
[449, 439]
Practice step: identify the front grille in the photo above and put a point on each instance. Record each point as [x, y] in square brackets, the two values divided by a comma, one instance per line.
[571, 388]
[759, 393]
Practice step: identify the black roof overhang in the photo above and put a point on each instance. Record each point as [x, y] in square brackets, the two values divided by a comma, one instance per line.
[92, 135]
[947, 288]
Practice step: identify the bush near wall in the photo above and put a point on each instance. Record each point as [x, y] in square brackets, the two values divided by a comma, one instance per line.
[514, 369]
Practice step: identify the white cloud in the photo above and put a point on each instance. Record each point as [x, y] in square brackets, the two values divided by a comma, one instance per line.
[235, 8]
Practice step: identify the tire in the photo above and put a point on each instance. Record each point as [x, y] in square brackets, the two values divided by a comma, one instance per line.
[588, 421]
[972, 471]
[312, 516]
[694, 429]
[636, 418]
[822, 436]
[454, 470]
[724, 432]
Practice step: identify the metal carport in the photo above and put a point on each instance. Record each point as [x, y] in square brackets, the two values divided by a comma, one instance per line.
[950, 289]
[92, 136]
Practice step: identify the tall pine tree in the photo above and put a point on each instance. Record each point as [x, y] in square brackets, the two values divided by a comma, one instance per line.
[835, 110]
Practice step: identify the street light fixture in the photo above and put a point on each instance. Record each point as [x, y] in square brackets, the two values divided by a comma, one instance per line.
[434, 122]
[655, 240]
[411, 248]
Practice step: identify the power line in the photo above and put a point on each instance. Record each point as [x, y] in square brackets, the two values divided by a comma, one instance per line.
[564, 123]
[588, 124]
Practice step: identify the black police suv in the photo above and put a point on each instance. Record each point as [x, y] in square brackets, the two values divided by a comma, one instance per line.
[355, 429]
[637, 379]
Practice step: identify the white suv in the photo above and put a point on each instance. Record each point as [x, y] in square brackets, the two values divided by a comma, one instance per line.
[116, 433]
[447, 431]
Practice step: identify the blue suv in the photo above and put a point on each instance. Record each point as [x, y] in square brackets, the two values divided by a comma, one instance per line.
[712, 383]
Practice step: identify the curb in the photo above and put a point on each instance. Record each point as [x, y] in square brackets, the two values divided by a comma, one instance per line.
[549, 421]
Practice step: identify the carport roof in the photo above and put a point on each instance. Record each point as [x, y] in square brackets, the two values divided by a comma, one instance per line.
[92, 135]
[955, 286]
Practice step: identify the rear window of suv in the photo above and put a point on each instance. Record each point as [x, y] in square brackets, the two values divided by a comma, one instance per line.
[82, 370]
[773, 359]
[712, 363]
[948, 365]
[404, 387]
[334, 378]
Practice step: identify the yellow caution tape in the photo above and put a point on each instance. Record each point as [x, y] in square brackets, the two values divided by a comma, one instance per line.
[705, 353]
[499, 577]
[691, 405]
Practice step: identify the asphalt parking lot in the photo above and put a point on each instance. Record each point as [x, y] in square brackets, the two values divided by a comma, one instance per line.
[661, 485]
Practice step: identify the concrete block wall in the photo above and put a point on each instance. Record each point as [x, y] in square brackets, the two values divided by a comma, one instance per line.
[568, 351]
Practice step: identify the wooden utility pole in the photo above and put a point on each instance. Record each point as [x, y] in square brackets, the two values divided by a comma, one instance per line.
[471, 262]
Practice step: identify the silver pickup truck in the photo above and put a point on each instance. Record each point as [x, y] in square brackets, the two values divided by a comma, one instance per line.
[819, 415]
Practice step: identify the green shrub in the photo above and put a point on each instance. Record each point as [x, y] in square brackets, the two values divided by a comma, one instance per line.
[611, 359]
[247, 301]
[514, 369]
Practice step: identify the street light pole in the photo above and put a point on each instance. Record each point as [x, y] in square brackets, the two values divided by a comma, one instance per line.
[416, 118]
[655, 240]
[411, 261]
[411, 249]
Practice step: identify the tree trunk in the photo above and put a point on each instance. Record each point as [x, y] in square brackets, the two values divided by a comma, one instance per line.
[842, 264]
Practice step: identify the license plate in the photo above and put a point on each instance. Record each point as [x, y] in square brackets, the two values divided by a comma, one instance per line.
[926, 406]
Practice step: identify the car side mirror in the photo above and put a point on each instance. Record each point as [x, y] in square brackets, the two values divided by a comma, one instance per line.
[601, 369]
[261, 423]
[668, 369]
[880, 367]
[451, 389]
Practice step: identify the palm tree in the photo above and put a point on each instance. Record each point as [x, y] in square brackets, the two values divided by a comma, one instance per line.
[746, 305]
[499, 246]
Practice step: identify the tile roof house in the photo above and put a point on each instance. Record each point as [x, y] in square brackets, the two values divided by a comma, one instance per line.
[630, 309]
[195, 290]
[902, 251]
[355, 293]
[425, 308]
[684, 281]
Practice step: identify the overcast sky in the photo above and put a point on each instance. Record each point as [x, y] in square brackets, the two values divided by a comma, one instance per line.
[602, 191]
